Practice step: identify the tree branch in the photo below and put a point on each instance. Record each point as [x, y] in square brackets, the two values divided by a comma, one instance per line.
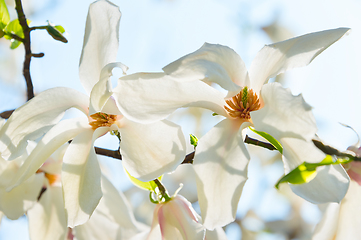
[6, 114]
[26, 41]
[333, 151]
[256, 142]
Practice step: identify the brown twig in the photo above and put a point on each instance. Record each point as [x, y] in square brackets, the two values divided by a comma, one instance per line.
[6, 114]
[256, 142]
[26, 41]
[109, 153]
[333, 151]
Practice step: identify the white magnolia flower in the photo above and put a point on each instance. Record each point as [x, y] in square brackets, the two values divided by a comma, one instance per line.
[148, 150]
[221, 157]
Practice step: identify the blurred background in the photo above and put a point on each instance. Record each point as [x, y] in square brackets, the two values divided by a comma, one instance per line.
[154, 33]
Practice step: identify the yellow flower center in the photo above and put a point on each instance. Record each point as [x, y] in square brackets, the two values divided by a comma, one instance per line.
[52, 178]
[240, 105]
[102, 120]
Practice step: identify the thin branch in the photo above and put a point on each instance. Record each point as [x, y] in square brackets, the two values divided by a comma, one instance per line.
[333, 151]
[256, 142]
[14, 36]
[26, 41]
[189, 157]
[6, 114]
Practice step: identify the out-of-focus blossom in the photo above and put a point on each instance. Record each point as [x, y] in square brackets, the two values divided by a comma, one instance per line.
[147, 150]
[221, 157]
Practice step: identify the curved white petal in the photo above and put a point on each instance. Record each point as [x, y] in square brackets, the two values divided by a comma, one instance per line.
[214, 63]
[101, 40]
[36, 117]
[330, 185]
[47, 218]
[279, 57]
[216, 234]
[22, 198]
[283, 114]
[150, 150]
[102, 90]
[350, 211]
[220, 164]
[326, 228]
[331, 182]
[149, 97]
[81, 177]
[54, 139]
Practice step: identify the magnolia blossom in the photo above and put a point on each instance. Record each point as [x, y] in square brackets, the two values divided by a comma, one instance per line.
[148, 150]
[221, 157]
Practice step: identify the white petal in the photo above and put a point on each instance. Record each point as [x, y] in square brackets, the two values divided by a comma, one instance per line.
[176, 215]
[216, 234]
[330, 185]
[54, 139]
[102, 90]
[81, 177]
[101, 40]
[283, 114]
[214, 63]
[149, 97]
[150, 150]
[279, 57]
[36, 117]
[47, 218]
[326, 228]
[220, 164]
[16, 202]
[115, 206]
[350, 211]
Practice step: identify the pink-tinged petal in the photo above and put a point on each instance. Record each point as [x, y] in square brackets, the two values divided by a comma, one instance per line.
[220, 164]
[331, 182]
[214, 63]
[150, 150]
[22, 198]
[176, 222]
[149, 97]
[296, 52]
[81, 177]
[155, 233]
[36, 117]
[101, 40]
[52, 140]
[326, 228]
[47, 218]
[283, 114]
[102, 90]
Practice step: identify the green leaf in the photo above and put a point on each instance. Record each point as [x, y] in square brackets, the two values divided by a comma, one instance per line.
[56, 32]
[301, 174]
[151, 186]
[1, 33]
[14, 27]
[270, 139]
[194, 140]
[14, 44]
[4, 15]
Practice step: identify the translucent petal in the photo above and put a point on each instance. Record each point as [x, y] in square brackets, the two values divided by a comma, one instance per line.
[54, 139]
[150, 150]
[36, 117]
[220, 164]
[81, 177]
[279, 57]
[283, 114]
[149, 97]
[101, 40]
[326, 228]
[47, 218]
[214, 63]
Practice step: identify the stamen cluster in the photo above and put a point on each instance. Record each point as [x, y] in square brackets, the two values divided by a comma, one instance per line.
[102, 120]
[240, 105]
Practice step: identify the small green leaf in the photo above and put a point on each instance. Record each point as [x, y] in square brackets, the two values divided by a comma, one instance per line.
[60, 28]
[1, 33]
[14, 44]
[151, 186]
[4, 15]
[270, 139]
[214, 114]
[14, 27]
[301, 174]
[56, 33]
[194, 140]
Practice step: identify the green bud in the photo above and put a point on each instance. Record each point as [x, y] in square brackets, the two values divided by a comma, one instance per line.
[194, 140]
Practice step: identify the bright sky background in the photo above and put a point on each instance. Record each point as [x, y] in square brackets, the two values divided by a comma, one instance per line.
[154, 33]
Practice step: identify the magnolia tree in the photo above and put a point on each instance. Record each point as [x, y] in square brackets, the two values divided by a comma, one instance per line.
[49, 167]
